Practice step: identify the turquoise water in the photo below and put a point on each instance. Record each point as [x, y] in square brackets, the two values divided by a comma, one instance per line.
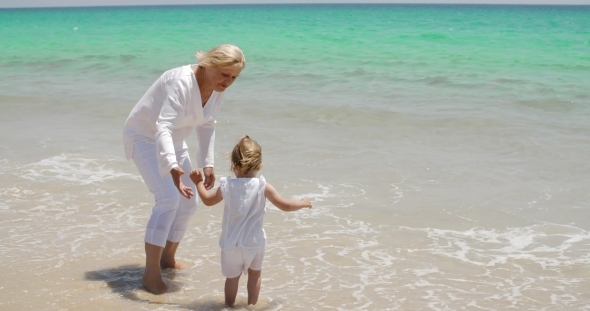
[320, 48]
[444, 147]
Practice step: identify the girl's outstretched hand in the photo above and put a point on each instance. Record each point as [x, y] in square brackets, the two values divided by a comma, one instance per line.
[196, 176]
[306, 203]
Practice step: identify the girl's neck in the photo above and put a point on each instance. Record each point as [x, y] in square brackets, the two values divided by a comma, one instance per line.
[250, 174]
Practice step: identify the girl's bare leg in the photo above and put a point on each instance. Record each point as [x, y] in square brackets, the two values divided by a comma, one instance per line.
[254, 282]
[152, 276]
[231, 290]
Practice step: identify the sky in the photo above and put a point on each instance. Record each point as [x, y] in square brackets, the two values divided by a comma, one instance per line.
[61, 3]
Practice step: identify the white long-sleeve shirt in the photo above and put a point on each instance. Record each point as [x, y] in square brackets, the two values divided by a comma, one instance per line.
[166, 114]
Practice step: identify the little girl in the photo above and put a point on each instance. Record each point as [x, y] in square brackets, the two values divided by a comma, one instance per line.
[242, 238]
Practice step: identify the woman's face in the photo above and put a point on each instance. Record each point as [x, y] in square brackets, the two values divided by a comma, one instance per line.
[222, 78]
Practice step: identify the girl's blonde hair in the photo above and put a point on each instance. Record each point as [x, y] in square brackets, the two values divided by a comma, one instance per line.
[222, 56]
[246, 156]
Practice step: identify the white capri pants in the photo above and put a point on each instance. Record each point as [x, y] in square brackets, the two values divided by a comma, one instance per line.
[172, 212]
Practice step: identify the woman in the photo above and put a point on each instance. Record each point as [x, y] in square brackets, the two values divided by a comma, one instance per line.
[154, 138]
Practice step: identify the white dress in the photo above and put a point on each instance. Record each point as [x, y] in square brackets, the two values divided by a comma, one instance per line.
[243, 213]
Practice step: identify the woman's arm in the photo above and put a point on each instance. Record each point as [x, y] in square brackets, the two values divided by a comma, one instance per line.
[208, 198]
[206, 138]
[285, 205]
[168, 117]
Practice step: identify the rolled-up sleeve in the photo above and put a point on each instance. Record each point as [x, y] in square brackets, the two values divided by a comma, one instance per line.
[166, 123]
[206, 138]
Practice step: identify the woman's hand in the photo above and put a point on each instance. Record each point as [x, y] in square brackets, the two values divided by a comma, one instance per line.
[185, 191]
[209, 177]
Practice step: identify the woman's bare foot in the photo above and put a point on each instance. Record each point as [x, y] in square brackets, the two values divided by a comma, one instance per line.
[153, 283]
[173, 264]
[168, 257]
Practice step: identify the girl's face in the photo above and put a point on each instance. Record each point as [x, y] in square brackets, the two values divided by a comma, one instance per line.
[222, 78]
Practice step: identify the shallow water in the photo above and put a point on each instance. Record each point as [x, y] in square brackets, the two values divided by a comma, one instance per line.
[444, 149]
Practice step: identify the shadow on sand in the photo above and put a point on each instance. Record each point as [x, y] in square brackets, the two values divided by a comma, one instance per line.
[123, 280]
[126, 281]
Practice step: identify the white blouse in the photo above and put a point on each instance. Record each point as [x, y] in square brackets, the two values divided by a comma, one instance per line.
[166, 115]
[245, 206]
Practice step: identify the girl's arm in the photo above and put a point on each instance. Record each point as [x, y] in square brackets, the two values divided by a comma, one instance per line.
[285, 205]
[208, 198]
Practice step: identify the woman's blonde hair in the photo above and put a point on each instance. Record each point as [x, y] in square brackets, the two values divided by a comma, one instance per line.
[222, 56]
[246, 156]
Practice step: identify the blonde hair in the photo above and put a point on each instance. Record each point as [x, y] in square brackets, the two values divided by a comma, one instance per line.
[222, 56]
[246, 156]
